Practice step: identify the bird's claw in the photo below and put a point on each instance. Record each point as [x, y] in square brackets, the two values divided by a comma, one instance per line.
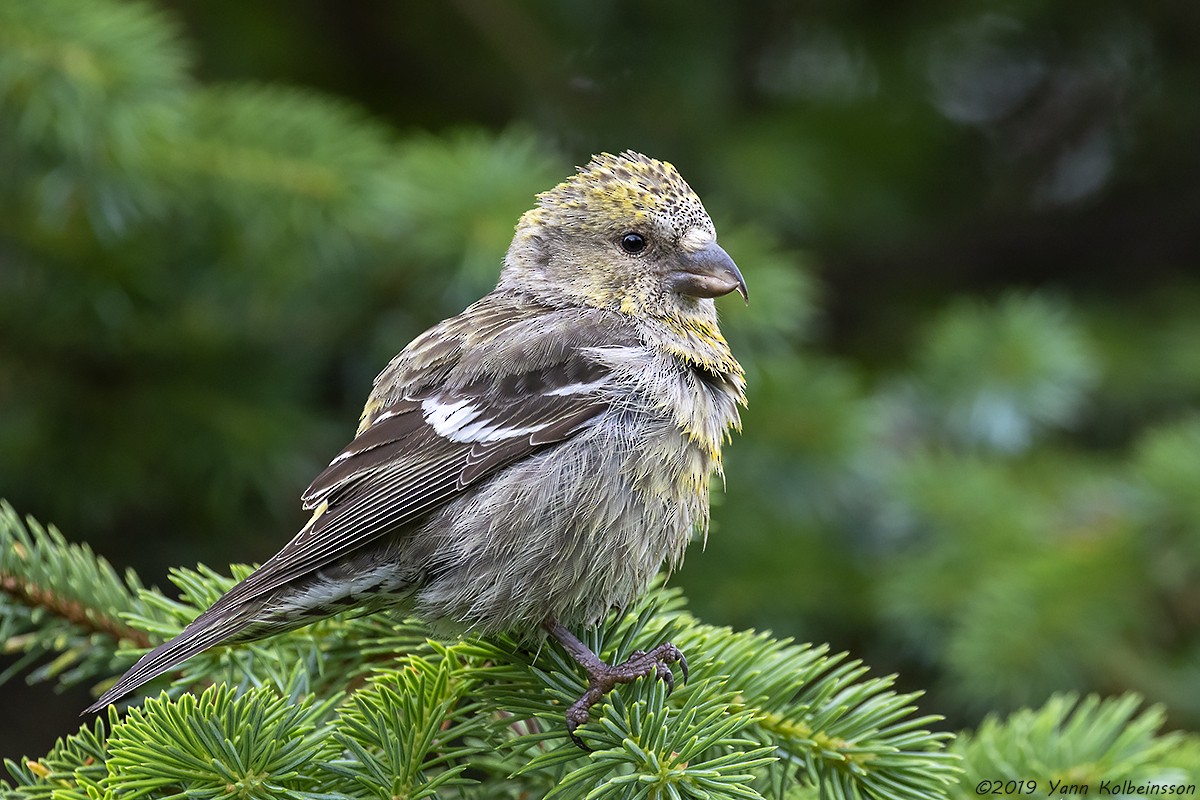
[603, 679]
[577, 714]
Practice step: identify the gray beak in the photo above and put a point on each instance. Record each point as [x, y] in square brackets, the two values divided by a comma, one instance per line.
[708, 273]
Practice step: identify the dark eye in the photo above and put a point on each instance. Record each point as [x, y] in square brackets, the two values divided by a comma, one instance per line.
[633, 243]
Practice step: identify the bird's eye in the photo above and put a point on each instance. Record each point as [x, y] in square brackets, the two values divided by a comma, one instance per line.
[633, 243]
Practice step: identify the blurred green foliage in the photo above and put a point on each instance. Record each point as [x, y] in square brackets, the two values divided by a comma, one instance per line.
[972, 452]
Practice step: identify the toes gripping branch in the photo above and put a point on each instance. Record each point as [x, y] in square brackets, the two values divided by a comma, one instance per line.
[603, 678]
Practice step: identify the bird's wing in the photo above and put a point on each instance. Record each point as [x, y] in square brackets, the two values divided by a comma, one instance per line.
[471, 396]
[424, 450]
[426, 446]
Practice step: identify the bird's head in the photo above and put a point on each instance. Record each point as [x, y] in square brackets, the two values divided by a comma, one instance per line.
[626, 233]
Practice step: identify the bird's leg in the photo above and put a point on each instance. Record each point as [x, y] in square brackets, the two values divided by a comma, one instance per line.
[603, 678]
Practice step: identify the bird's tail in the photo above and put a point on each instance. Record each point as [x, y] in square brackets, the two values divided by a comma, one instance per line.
[215, 626]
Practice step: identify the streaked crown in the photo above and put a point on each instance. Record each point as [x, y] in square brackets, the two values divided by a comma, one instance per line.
[626, 188]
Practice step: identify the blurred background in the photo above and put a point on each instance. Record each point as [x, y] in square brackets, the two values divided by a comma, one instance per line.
[971, 234]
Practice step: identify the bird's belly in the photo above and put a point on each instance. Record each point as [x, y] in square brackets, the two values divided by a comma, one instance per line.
[567, 534]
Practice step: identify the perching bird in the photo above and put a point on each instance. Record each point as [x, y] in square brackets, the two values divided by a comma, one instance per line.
[532, 462]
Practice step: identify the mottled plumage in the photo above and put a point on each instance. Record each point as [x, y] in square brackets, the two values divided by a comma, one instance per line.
[536, 459]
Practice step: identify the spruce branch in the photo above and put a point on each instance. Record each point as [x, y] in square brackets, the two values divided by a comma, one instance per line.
[74, 612]
[84, 87]
[75, 762]
[260, 742]
[61, 604]
[1070, 742]
[759, 712]
[327, 710]
[413, 730]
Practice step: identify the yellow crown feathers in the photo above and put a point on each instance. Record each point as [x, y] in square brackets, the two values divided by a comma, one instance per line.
[629, 187]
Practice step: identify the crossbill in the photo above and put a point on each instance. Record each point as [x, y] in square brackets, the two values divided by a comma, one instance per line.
[533, 462]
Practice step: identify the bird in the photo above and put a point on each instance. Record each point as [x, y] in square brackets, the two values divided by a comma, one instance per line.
[532, 463]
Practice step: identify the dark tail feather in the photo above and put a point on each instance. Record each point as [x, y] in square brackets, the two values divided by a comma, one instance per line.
[207, 630]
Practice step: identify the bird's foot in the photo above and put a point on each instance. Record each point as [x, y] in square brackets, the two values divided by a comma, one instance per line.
[603, 678]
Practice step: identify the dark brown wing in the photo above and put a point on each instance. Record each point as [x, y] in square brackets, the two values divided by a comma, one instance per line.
[424, 450]
[481, 390]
